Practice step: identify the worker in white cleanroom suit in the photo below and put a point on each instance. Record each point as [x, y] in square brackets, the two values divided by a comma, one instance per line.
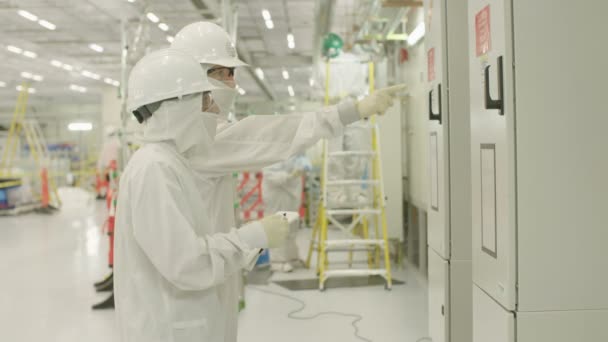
[109, 150]
[256, 141]
[357, 138]
[172, 262]
[282, 191]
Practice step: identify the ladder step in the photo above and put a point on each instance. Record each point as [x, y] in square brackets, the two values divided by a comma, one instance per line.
[352, 153]
[353, 182]
[353, 211]
[354, 273]
[354, 242]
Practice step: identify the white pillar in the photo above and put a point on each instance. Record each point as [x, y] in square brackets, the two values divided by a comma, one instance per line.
[110, 108]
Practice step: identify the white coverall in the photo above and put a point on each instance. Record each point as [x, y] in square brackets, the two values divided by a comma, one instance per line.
[251, 144]
[282, 191]
[188, 289]
[171, 260]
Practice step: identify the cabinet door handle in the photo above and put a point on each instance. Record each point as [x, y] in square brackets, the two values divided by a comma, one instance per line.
[435, 116]
[489, 102]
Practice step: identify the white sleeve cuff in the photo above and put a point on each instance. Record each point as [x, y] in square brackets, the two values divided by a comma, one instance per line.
[348, 112]
[253, 235]
[251, 258]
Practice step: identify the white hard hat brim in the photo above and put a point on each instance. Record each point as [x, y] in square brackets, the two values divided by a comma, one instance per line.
[227, 62]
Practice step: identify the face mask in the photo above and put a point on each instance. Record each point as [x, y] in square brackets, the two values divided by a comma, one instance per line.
[224, 97]
[210, 122]
[206, 126]
[182, 122]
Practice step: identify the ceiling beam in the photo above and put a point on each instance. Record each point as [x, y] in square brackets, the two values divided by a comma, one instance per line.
[402, 3]
[282, 61]
[399, 17]
[216, 8]
[378, 37]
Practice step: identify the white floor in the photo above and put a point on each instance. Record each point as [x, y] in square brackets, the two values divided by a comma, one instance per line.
[49, 263]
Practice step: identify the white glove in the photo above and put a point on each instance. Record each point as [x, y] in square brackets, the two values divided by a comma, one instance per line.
[379, 101]
[276, 228]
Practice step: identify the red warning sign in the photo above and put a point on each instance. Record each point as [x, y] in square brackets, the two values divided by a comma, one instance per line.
[431, 64]
[482, 31]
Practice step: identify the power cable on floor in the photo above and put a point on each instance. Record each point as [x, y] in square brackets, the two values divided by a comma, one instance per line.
[356, 317]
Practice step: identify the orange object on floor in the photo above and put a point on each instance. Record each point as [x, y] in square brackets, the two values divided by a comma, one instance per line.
[44, 176]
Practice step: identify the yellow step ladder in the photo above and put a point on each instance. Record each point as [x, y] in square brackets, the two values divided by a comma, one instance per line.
[358, 230]
[38, 150]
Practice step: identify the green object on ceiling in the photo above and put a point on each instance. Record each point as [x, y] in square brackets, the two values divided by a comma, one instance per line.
[332, 45]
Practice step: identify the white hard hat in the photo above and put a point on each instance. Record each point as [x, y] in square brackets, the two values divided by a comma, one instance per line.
[165, 74]
[208, 43]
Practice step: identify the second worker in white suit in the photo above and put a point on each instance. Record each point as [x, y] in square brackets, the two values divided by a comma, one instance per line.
[256, 141]
[282, 191]
[173, 265]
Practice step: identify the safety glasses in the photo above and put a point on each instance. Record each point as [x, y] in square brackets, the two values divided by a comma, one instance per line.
[221, 71]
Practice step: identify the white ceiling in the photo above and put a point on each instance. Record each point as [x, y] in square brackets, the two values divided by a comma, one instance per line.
[82, 22]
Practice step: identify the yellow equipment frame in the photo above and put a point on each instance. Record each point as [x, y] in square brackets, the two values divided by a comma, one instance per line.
[319, 241]
[33, 137]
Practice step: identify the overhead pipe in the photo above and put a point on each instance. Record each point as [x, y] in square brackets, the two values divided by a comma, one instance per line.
[394, 22]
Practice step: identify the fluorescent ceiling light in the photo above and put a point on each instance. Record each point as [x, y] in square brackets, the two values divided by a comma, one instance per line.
[111, 81]
[269, 24]
[285, 74]
[89, 74]
[241, 91]
[14, 49]
[47, 24]
[290, 90]
[30, 54]
[416, 35]
[266, 15]
[78, 88]
[29, 90]
[67, 67]
[152, 17]
[80, 126]
[31, 76]
[2, 84]
[163, 27]
[260, 73]
[56, 63]
[170, 39]
[96, 47]
[311, 81]
[290, 41]
[131, 1]
[27, 15]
